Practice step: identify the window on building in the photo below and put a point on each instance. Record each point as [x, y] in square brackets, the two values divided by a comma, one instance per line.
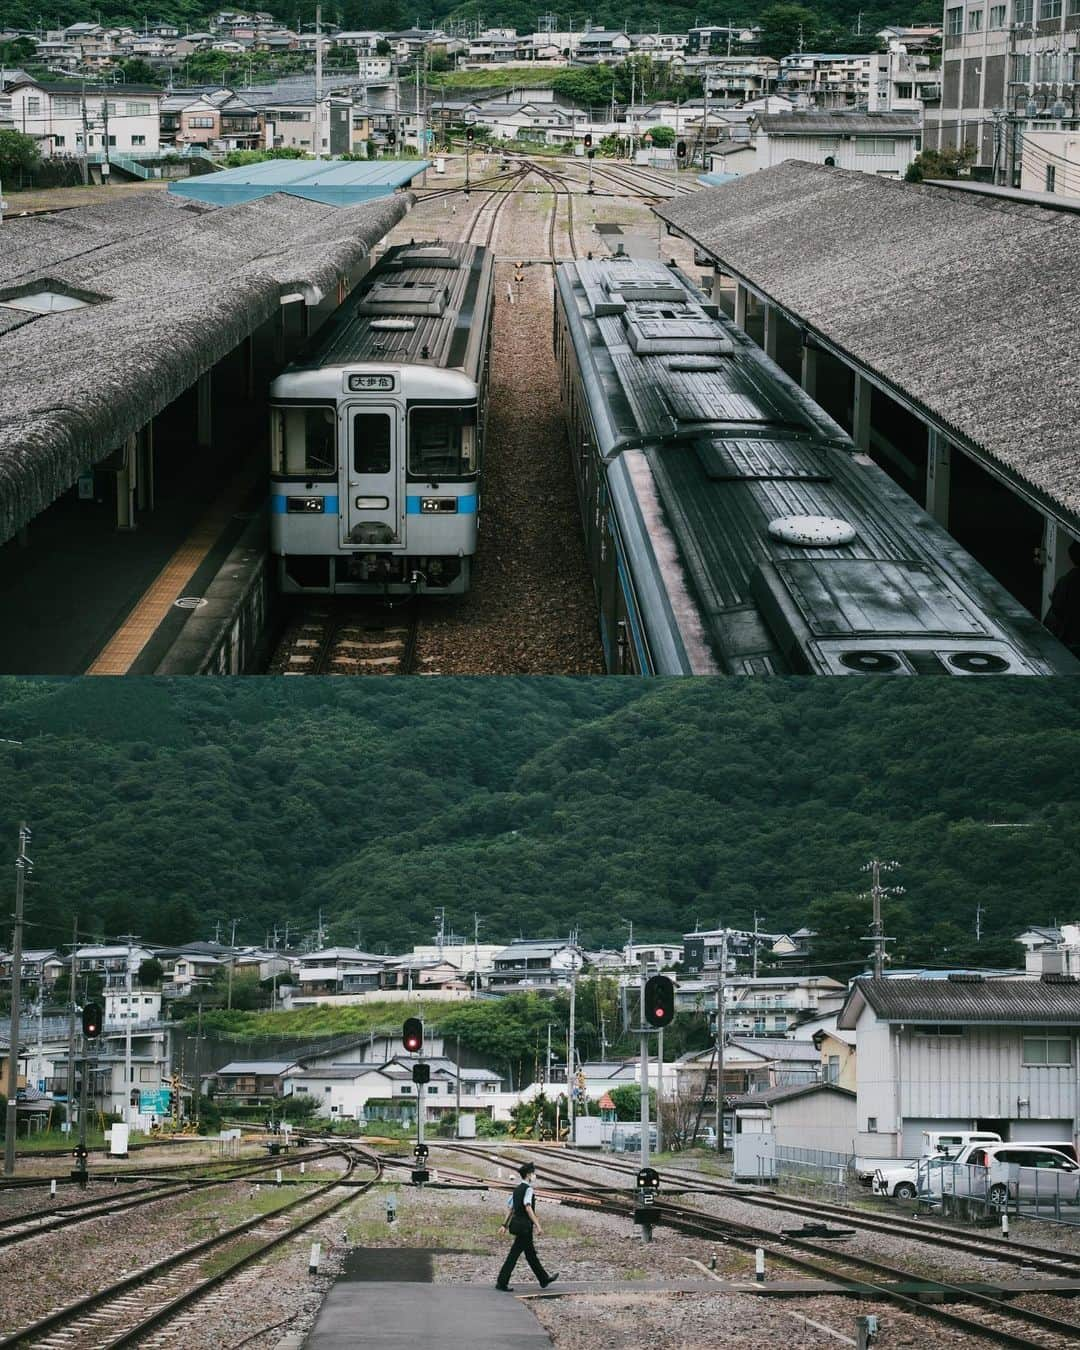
[1047, 1047]
[1072, 7]
[954, 22]
[905, 91]
[942, 1029]
[997, 16]
[66, 107]
[139, 110]
[112, 140]
[974, 20]
[1021, 68]
[832, 1073]
[1049, 9]
[1023, 11]
[138, 140]
[1051, 176]
[875, 145]
[871, 1124]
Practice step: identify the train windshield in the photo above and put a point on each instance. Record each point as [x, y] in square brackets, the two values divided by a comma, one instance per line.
[442, 443]
[303, 440]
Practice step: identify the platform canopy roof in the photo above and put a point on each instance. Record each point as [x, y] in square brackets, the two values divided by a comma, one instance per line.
[965, 305]
[334, 182]
[159, 291]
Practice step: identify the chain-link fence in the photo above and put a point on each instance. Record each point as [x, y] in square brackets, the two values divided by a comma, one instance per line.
[816, 1171]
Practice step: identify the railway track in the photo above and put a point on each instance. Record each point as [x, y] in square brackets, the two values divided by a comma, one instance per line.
[553, 181]
[986, 1315]
[336, 639]
[145, 1300]
[487, 216]
[940, 1235]
[25, 1227]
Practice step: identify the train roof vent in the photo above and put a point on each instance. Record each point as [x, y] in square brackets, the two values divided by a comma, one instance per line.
[404, 297]
[977, 663]
[393, 325]
[433, 255]
[701, 365]
[646, 288]
[965, 977]
[812, 531]
[661, 331]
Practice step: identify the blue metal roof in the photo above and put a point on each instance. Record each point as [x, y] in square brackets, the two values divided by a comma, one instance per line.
[335, 182]
[716, 179]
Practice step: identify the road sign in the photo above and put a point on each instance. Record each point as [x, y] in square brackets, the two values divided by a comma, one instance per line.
[154, 1103]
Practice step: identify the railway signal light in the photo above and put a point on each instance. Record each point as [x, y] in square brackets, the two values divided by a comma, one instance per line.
[412, 1035]
[470, 134]
[588, 140]
[659, 1001]
[91, 1021]
[421, 1073]
[680, 149]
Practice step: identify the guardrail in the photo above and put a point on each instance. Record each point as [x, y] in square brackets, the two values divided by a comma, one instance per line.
[973, 1191]
[814, 1170]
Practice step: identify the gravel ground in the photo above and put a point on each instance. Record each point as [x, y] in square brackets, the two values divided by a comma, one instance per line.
[531, 609]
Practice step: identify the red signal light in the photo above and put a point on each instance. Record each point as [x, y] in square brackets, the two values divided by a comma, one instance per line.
[659, 1000]
[412, 1035]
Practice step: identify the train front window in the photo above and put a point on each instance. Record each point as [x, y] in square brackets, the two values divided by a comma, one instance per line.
[442, 443]
[302, 441]
[371, 442]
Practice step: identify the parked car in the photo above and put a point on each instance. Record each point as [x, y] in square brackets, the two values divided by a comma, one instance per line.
[1004, 1172]
[951, 1142]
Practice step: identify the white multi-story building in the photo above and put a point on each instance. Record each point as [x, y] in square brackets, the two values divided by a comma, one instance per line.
[65, 121]
[141, 1007]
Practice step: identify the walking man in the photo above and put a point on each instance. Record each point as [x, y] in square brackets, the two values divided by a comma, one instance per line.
[521, 1223]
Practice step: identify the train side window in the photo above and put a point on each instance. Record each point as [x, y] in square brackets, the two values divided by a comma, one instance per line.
[442, 443]
[371, 442]
[303, 441]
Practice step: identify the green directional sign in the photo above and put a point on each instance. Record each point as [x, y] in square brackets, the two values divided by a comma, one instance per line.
[154, 1103]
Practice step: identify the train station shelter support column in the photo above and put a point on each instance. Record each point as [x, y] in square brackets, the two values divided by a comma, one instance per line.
[772, 325]
[742, 297]
[204, 413]
[144, 484]
[808, 373]
[938, 475]
[127, 477]
[860, 417]
[1055, 559]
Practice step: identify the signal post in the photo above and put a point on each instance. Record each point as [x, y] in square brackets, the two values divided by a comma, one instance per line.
[412, 1038]
[657, 1011]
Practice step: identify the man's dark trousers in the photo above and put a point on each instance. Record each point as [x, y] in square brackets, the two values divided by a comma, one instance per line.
[523, 1246]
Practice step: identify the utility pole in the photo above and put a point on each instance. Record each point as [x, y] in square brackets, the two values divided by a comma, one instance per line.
[877, 893]
[440, 931]
[317, 137]
[978, 921]
[457, 1086]
[644, 1073]
[197, 1084]
[105, 171]
[720, 1012]
[476, 953]
[23, 868]
[85, 162]
[127, 1036]
[547, 1065]
[571, 1056]
[755, 942]
[71, 1025]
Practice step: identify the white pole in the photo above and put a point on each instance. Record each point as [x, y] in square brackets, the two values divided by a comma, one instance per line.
[127, 1040]
[318, 97]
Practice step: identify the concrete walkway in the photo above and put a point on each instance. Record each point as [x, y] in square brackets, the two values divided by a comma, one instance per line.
[355, 1316]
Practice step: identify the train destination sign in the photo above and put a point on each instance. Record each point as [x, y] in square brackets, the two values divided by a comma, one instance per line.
[383, 383]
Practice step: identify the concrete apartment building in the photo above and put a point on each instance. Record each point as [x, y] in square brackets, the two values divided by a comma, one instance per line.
[59, 116]
[1008, 70]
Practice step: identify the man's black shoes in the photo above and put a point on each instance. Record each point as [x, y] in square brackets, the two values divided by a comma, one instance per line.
[550, 1280]
[505, 1288]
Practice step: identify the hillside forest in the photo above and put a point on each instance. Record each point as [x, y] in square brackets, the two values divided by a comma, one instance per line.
[541, 807]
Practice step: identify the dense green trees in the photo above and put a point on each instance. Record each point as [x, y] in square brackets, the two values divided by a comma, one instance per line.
[543, 806]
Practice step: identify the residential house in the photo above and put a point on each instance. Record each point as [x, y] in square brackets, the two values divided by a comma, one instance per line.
[1035, 938]
[751, 1065]
[769, 1005]
[123, 118]
[387, 1091]
[42, 969]
[250, 1082]
[964, 1053]
[110, 963]
[190, 971]
[494, 46]
[410, 972]
[837, 1051]
[529, 965]
[141, 1007]
[734, 79]
[602, 46]
[290, 122]
[338, 970]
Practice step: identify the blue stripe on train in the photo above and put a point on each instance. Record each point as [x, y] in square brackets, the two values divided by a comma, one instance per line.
[466, 506]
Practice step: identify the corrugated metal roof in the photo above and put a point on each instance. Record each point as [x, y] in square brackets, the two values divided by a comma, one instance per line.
[838, 124]
[333, 182]
[966, 305]
[1018, 1002]
[265, 1067]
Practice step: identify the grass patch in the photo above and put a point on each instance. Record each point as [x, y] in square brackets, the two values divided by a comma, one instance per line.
[214, 1265]
[517, 77]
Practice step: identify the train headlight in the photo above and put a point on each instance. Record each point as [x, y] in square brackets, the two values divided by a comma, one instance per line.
[306, 506]
[438, 506]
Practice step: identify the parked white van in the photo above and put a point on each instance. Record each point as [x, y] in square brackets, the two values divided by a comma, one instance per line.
[948, 1143]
